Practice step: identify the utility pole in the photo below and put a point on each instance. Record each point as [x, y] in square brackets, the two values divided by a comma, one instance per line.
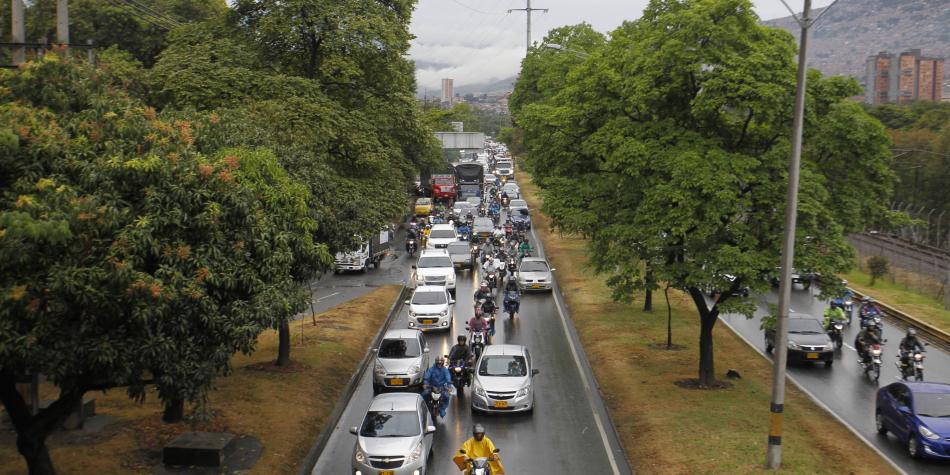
[527, 9]
[17, 31]
[773, 458]
[62, 22]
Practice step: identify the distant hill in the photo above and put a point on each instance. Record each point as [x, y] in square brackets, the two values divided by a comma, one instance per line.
[855, 29]
[493, 87]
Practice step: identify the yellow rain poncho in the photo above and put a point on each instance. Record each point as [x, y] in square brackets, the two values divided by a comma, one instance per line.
[475, 449]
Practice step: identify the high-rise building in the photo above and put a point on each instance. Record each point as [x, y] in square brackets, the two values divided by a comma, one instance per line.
[448, 92]
[903, 78]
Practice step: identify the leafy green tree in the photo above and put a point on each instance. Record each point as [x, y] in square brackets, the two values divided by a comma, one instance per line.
[128, 258]
[877, 266]
[669, 145]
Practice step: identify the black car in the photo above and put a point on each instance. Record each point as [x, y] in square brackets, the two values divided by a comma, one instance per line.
[807, 340]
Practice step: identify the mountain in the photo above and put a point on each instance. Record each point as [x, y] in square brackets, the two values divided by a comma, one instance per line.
[855, 29]
[493, 87]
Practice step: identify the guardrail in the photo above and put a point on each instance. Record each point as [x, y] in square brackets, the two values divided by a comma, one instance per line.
[929, 332]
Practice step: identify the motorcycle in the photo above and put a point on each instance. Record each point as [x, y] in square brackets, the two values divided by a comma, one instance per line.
[872, 362]
[836, 332]
[911, 364]
[434, 400]
[480, 465]
[873, 320]
[477, 344]
[512, 303]
[492, 279]
[460, 376]
[849, 309]
[412, 246]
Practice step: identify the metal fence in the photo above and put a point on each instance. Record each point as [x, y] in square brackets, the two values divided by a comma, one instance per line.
[920, 267]
[932, 227]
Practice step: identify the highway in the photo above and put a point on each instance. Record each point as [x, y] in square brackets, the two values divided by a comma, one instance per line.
[843, 388]
[568, 432]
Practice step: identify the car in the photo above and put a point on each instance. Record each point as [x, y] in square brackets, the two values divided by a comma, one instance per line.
[395, 436]
[431, 308]
[474, 200]
[423, 206]
[502, 381]
[441, 235]
[462, 208]
[489, 179]
[516, 205]
[512, 190]
[461, 253]
[483, 226]
[807, 340]
[918, 414]
[522, 215]
[534, 273]
[434, 267]
[401, 360]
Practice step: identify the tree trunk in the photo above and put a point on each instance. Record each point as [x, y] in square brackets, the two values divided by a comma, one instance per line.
[669, 319]
[283, 346]
[174, 411]
[648, 301]
[707, 320]
[34, 451]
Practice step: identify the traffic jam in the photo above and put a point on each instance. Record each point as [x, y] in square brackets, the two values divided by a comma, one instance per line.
[469, 228]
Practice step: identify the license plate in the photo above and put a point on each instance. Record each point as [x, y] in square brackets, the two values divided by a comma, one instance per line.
[428, 321]
[396, 382]
[501, 404]
[535, 286]
[387, 472]
[811, 356]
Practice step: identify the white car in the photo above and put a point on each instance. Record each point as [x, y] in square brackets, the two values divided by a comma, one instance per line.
[401, 360]
[511, 188]
[434, 267]
[441, 235]
[534, 274]
[431, 308]
[503, 378]
[515, 205]
[395, 436]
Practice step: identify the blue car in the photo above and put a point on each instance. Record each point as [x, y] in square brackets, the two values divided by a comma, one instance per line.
[918, 414]
[521, 216]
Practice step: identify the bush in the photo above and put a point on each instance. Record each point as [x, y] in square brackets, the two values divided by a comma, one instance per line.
[877, 266]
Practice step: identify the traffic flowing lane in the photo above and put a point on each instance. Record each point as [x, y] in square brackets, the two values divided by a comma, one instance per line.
[843, 387]
[562, 434]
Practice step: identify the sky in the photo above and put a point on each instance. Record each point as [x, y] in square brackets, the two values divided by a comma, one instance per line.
[477, 41]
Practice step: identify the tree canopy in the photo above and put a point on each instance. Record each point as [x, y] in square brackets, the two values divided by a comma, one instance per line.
[669, 144]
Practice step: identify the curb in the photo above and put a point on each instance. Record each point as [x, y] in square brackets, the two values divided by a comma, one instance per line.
[929, 331]
[818, 402]
[310, 461]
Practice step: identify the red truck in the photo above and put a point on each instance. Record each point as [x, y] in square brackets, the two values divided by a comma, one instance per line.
[443, 188]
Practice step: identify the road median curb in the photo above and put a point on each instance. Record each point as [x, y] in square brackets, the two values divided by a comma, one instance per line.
[351, 386]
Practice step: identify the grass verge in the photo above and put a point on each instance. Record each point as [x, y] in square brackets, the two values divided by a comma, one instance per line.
[669, 430]
[919, 305]
[285, 410]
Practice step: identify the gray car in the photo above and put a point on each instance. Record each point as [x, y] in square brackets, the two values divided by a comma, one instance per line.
[503, 380]
[516, 205]
[401, 360]
[807, 340]
[395, 436]
[483, 227]
[461, 253]
[534, 273]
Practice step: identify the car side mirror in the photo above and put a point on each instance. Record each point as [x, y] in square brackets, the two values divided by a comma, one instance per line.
[405, 302]
[375, 350]
[354, 430]
[425, 350]
[496, 451]
[430, 430]
[553, 269]
[904, 410]
[451, 301]
[413, 267]
[535, 372]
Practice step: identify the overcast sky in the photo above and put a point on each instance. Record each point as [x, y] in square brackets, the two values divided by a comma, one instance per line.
[476, 41]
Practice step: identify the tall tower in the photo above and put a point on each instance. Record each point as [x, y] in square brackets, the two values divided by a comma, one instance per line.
[448, 92]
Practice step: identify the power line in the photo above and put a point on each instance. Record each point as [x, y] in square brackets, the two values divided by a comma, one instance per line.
[138, 14]
[155, 13]
[527, 9]
[475, 10]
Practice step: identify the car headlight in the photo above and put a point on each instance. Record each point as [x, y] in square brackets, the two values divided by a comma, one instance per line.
[420, 278]
[793, 345]
[415, 454]
[379, 369]
[479, 390]
[412, 314]
[522, 392]
[359, 456]
[927, 433]
[444, 313]
[414, 368]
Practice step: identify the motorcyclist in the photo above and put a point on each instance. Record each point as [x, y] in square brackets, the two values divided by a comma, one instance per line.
[512, 297]
[869, 307]
[438, 376]
[460, 351]
[866, 337]
[833, 314]
[505, 199]
[480, 323]
[488, 310]
[483, 292]
[479, 446]
[464, 229]
[524, 249]
[498, 233]
[910, 343]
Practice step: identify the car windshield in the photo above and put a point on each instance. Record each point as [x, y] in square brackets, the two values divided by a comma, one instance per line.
[423, 202]
[484, 222]
[463, 205]
[459, 248]
[474, 200]
[442, 234]
[390, 424]
[932, 404]
[534, 266]
[399, 348]
[428, 298]
[430, 262]
[503, 365]
[806, 326]
[519, 204]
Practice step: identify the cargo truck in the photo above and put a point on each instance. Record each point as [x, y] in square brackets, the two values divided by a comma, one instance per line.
[370, 252]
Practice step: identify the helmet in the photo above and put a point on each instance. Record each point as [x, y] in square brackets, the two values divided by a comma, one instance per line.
[911, 332]
[461, 339]
[439, 360]
[484, 283]
[478, 431]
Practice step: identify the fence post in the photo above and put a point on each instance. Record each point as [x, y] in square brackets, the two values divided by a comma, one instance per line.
[946, 291]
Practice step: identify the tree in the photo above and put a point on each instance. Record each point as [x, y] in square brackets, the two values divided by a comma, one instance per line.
[128, 258]
[877, 266]
[669, 145]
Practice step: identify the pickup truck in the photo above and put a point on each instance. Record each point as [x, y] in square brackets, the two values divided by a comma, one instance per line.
[443, 188]
[370, 251]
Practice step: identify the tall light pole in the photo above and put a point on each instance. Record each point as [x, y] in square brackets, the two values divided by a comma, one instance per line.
[527, 9]
[773, 458]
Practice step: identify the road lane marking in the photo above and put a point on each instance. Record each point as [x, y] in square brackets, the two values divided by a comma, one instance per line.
[327, 296]
[580, 369]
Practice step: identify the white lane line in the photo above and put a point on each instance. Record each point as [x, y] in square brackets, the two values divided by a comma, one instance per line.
[327, 296]
[580, 370]
[849, 347]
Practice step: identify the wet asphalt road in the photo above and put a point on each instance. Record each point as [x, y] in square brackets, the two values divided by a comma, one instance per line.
[563, 435]
[843, 387]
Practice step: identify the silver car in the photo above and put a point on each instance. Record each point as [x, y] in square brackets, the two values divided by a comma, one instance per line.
[483, 227]
[401, 360]
[534, 273]
[431, 308]
[515, 205]
[503, 380]
[395, 437]
[512, 190]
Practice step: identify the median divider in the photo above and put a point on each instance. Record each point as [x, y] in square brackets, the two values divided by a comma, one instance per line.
[928, 331]
[351, 386]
